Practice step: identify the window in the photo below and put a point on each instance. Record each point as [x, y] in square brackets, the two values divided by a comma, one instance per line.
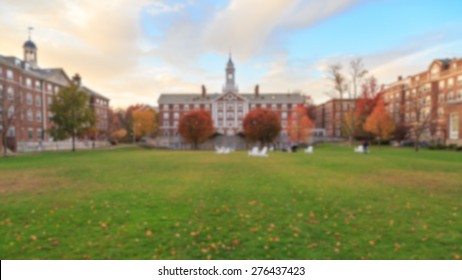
[230, 115]
[459, 80]
[1, 92]
[39, 134]
[196, 106]
[186, 107]
[9, 74]
[166, 115]
[440, 111]
[441, 85]
[220, 114]
[459, 94]
[175, 107]
[29, 134]
[12, 132]
[37, 84]
[49, 87]
[56, 89]
[176, 116]
[28, 82]
[166, 123]
[454, 126]
[38, 116]
[175, 123]
[252, 106]
[274, 106]
[10, 111]
[450, 82]
[284, 115]
[10, 93]
[29, 99]
[284, 106]
[29, 115]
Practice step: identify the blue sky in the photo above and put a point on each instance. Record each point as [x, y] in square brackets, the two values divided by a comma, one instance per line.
[132, 51]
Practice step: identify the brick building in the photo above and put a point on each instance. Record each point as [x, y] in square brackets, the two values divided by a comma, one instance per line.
[432, 98]
[329, 116]
[227, 109]
[26, 92]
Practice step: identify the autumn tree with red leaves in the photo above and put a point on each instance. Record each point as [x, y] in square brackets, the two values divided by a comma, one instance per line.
[196, 127]
[379, 123]
[262, 125]
[365, 104]
[299, 125]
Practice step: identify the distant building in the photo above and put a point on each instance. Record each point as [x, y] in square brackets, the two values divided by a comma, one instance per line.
[227, 109]
[438, 93]
[328, 116]
[26, 92]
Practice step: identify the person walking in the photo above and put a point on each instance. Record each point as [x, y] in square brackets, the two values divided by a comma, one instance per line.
[366, 147]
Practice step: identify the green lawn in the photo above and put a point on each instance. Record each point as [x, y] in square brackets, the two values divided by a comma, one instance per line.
[149, 204]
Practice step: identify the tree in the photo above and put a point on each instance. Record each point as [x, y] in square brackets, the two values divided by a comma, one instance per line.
[72, 115]
[379, 123]
[144, 122]
[262, 125]
[196, 127]
[11, 108]
[420, 119]
[299, 125]
[365, 105]
[342, 90]
[357, 73]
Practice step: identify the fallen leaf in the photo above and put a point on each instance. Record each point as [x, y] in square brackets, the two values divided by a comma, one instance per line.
[148, 232]
[372, 242]
[311, 214]
[33, 237]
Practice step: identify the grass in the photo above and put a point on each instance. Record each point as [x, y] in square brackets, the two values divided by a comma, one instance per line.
[149, 204]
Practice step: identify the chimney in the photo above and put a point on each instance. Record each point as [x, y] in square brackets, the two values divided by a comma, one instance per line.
[76, 79]
[400, 78]
[257, 90]
[204, 91]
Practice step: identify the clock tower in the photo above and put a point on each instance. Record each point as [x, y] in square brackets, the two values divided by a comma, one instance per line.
[230, 77]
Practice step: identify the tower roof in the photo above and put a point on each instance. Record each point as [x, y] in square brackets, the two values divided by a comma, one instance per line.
[29, 44]
[230, 62]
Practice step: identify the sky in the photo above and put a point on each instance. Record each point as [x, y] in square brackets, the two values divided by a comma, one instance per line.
[134, 50]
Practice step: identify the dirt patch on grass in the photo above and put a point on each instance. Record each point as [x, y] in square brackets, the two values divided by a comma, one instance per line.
[27, 181]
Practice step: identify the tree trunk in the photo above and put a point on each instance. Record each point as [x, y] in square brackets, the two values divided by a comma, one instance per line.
[416, 144]
[5, 149]
[73, 141]
[350, 140]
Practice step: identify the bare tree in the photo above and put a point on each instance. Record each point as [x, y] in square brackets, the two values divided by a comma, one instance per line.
[357, 74]
[420, 120]
[10, 113]
[342, 90]
[339, 81]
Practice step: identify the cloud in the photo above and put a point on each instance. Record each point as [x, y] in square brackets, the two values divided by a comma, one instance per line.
[248, 30]
[160, 7]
